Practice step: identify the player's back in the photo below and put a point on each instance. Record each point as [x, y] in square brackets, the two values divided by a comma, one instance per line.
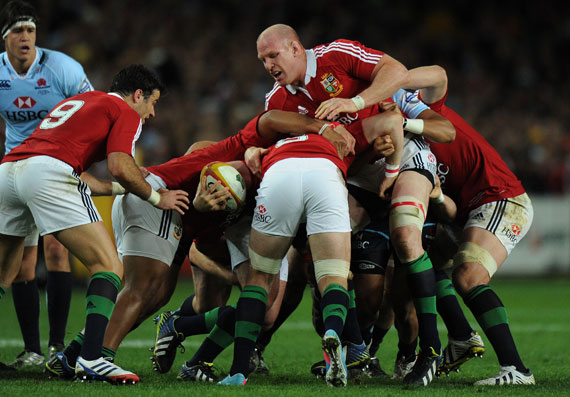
[76, 131]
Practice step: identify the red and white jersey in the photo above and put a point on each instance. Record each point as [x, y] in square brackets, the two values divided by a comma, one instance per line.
[339, 69]
[82, 130]
[471, 171]
[184, 173]
[303, 146]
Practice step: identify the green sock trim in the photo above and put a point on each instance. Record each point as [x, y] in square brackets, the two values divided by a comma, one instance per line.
[493, 318]
[99, 305]
[2, 291]
[220, 337]
[444, 288]
[110, 277]
[334, 286]
[210, 318]
[474, 292]
[425, 305]
[351, 299]
[79, 338]
[254, 292]
[419, 265]
[106, 352]
[334, 310]
[247, 330]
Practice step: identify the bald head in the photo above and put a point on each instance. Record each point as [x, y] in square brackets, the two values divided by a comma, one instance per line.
[280, 32]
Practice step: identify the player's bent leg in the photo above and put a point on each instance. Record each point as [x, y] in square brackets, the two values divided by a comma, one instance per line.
[58, 291]
[11, 251]
[143, 279]
[93, 246]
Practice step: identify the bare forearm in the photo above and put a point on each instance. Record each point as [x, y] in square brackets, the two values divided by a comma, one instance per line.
[436, 127]
[210, 266]
[97, 186]
[274, 123]
[127, 173]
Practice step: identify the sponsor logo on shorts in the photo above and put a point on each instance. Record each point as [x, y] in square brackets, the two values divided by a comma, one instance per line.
[5, 85]
[366, 266]
[362, 245]
[479, 217]
[261, 215]
[331, 85]
[431, 158]
[512, 233]
[177, 232]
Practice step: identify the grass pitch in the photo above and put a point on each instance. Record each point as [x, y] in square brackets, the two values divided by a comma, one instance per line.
[538, 314]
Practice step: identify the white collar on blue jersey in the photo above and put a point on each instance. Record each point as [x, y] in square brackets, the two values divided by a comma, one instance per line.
[309, 73]
[39, 53]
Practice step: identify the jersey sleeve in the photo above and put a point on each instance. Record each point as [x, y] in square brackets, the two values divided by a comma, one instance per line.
[409, 103]
[249, 135]
[124, 133]
[358, 60]
[437, 105]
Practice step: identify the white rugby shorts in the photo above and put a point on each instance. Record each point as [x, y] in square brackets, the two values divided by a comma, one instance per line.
[508, 219]
[237, 240]
[416, 155]
[44, 191]
[296, 190]
[141, 229]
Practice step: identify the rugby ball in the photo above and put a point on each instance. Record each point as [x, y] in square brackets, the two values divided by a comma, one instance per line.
[231, 178]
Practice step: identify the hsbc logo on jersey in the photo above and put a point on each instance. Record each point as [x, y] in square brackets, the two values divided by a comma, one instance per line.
[24, 102]
[260, 215]
[331, 85]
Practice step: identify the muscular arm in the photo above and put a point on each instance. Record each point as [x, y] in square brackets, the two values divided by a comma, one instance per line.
[210, 266]
[388, 76]
[274, 123]
[431, 80]
[97, 186]
[436, 127]
[124, 169]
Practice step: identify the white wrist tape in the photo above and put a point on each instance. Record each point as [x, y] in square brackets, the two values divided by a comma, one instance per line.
[439, 199]
[358, 102]
[323, 128]
[391, 171]
[154, 197]
[116, 188]
[415, 126]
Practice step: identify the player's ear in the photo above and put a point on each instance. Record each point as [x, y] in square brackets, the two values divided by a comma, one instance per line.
[138, 96]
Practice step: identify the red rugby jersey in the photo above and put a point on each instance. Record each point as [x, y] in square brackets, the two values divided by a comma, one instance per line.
[82, 130]
[472, 173]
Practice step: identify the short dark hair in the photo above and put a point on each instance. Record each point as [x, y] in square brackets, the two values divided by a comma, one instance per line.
[15, 11]
[135, 77]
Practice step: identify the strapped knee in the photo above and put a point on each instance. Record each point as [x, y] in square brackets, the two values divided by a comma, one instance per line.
[407, 211]
[263, 264]
[331, 267]
[471, 252]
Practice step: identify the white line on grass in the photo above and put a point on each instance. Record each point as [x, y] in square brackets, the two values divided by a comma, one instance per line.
[303, 325]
